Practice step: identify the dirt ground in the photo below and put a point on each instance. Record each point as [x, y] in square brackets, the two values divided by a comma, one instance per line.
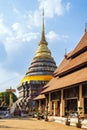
[32, 124]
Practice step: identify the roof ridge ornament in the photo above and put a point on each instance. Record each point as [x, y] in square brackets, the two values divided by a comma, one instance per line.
[65, 53]
[85, 27]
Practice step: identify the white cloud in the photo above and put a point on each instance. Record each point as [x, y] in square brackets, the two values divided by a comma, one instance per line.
[8, 79]
[15, 10]
[15, 36]
[16, 26]
[52, 36]
[24, 29]
[20, 32]
[29, 18]
[54, 7]
[68, 6]
[18, 39]
[36, 19]
[4, 30]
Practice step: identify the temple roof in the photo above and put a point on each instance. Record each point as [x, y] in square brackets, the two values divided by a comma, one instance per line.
[75, 59]
[41, 96]
[68, 80]
[73, 64]
[72, 70]
[82, 45]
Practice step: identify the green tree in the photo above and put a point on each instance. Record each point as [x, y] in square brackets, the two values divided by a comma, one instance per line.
[4, 98]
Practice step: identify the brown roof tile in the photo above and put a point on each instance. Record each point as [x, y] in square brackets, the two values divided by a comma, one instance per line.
[73, 63]
[51, 82]
[62, 65]
[42, 96]
[81, 45]
[68, 80]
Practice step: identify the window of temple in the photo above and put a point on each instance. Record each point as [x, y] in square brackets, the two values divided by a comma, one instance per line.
[85, 105]
[71, 105]
[71, 92]
[56, 95]
[84, 90]
[84, 94]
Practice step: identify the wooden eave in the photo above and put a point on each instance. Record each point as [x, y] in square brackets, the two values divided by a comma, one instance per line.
[69, 80]
[40, 97]
[72, 65]
[81, 46]
[73, 69]
[78, 52]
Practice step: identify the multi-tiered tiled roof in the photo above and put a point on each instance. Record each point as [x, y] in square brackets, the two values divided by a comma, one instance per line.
[73, 68]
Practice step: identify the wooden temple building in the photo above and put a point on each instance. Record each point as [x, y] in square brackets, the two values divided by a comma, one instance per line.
[38, 74]
[67, 90]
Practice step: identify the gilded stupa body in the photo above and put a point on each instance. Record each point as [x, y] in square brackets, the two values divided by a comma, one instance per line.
[39, 72]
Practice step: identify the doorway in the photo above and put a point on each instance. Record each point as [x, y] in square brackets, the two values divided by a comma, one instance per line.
[85, 105]
[71, 105]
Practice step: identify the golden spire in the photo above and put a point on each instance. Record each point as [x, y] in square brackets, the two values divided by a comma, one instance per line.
[43, 50]
[43, 30]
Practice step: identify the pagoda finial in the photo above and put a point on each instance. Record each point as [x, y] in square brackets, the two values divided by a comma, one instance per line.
[43, 31]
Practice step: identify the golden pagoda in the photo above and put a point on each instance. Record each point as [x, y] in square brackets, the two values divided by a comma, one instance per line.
[39, 73]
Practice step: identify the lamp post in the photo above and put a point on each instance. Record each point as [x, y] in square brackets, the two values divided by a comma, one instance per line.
[10, 99]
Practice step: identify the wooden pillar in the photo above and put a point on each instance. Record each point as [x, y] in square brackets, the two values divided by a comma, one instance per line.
[39, 105]
[11, 100]
[46, 102]
[62, 109]
[55, 108]
[81, 100]
[50, 104]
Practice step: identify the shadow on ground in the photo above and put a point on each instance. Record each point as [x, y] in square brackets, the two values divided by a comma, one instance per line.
[19, 128]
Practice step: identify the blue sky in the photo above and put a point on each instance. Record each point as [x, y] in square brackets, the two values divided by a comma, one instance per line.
[20, 32]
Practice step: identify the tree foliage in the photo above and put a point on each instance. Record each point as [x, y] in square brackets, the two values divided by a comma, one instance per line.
[4, 98]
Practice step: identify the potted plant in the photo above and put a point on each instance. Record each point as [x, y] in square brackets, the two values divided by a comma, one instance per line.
[79, 112]
[38, 115]
[67, 118]
[46, 114]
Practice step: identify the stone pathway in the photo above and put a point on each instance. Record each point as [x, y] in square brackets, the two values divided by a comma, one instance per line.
[73, 121]
[32, 124]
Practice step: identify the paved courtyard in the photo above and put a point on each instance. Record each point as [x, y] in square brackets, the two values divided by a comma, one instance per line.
[32, 124]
